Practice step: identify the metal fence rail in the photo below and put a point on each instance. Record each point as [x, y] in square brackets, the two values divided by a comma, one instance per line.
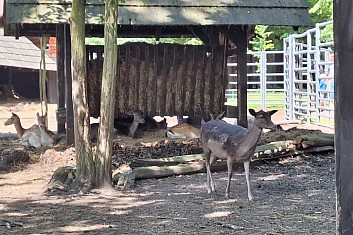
[296, 80]
[265, 80]
[307, 89]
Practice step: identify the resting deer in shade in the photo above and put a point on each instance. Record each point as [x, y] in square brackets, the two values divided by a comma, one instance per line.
[47, 137]
[30, 136]
[183, 131]
[187, 131]
[232, 143]
[129, 129]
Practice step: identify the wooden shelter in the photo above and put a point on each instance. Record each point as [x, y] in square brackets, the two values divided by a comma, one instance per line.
[215, 22]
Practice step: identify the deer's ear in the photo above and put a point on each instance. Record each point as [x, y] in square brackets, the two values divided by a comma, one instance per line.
[272, 112]
[252, 112]
[220, 116]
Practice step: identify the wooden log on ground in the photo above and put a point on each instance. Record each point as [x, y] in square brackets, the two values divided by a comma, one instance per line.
[170, 161]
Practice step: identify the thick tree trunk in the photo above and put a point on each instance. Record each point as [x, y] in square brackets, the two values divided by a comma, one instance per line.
[103, 159]
[84, 157]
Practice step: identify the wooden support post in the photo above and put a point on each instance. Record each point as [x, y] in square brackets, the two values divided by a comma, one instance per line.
[343, 32]
[60, 55]
[242, 45]
[70, 138]
[238, 36]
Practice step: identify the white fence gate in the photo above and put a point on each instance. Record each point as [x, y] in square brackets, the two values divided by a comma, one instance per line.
[308, 91]
[298, 83]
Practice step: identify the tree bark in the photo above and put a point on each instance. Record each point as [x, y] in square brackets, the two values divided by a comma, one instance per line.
[84, 157]
[103, 158]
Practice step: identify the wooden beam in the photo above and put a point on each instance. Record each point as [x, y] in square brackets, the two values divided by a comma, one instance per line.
[343, 34]
[209, 36]
[60, 55]
[242, 75]
[238, 35]
[70, 138]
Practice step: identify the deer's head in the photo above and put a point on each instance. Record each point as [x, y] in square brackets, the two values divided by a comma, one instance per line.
[12, 120]
[263, 118]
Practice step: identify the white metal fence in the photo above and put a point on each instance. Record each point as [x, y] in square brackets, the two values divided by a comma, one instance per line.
[293, 78]
[308, 91]
[265, 80]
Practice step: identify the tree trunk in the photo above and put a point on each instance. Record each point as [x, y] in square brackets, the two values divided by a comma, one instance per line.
[103, 158]
[84, 157]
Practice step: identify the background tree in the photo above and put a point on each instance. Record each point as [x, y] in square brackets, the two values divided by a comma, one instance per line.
[103, 157]
[320, 11]
[84, 158]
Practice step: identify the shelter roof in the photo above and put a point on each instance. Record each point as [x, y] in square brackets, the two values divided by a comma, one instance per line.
[166, 12]
[21, 53]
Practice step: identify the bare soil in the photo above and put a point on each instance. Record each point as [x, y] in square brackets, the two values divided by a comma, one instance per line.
[293, 195]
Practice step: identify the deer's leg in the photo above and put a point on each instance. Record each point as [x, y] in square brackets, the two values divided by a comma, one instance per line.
[230, 173]
[213, 159]
[210, 183]
[247, 175]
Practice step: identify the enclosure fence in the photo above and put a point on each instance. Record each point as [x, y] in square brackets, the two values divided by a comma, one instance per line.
[294, 78]
[265, 80]
[309, 94]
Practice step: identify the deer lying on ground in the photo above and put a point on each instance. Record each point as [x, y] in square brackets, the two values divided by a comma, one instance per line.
[47, 137]
[152, 125]
[183, 131]
[232, 143]
[187, 131]
[30, 136]
[94, 131]
[129, 129]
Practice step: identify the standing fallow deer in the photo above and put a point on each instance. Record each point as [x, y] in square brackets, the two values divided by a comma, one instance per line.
[221, 140]
[30, 136]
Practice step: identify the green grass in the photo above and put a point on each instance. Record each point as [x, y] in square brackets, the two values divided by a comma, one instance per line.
[274, 99]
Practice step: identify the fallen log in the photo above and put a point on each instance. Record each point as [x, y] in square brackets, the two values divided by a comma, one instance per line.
[198, 166]
[170, 161]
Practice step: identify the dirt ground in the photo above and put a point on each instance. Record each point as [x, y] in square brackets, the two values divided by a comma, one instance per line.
[293, 195]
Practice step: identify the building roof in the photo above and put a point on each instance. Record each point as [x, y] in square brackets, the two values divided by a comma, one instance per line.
[166, 12]
[21, 53]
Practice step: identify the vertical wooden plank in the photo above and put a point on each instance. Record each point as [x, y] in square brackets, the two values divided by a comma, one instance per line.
[207, 77]
[60, 63]
[169, 87]
[181, 89]
[70, 138]
[162, 88]
[204, 82]
[152, 72]
[343, 32]
[191, 88]
[137, 78]
[173, 80]
[214, 80]
[199, 80]
[149, 76]
[144, 83]
[156, 74]
[132, 78]
[126, 79]
[242, 44]
[159, 78]
[119, 105]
